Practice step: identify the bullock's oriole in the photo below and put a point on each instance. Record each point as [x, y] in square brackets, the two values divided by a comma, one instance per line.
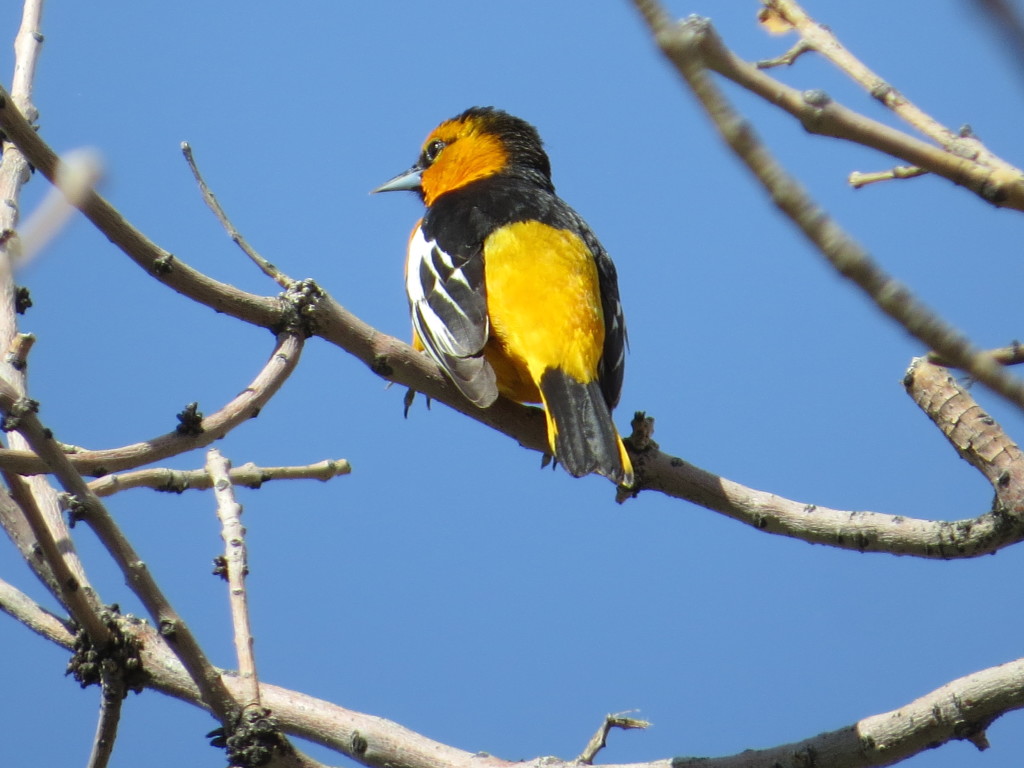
[510, 292]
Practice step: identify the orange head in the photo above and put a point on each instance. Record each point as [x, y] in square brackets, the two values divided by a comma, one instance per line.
[480, 143]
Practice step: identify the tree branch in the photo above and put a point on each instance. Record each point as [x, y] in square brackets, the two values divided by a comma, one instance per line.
[248, 475]
[27, 45]
[111, 698]
[860, 531]
[236, 567]
[959, 710]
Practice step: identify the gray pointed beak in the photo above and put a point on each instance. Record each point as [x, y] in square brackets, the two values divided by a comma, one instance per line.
[407, 180]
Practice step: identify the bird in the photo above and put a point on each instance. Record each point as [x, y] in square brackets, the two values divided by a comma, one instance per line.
[510, 292]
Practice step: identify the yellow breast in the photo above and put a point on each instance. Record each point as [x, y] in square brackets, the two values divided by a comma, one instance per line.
[544, 302]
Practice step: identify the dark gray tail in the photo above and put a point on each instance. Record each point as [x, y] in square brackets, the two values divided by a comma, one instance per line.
[580, 428]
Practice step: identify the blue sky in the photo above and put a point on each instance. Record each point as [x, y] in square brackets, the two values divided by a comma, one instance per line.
[449, 584]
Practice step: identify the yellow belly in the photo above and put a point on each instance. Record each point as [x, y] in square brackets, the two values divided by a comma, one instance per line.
[544, 303]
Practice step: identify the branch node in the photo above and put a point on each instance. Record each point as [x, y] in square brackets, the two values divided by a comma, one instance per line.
[22, 299]
[89, 663]
[163, 265]
[600, 738]
[21, 407]
[641, 438]
[190, 421]
[168, 628]
[979, 739]
[76, 507]
[301, 301]
[220, 567]
[358, 744]
[816, 98]
[253, 740]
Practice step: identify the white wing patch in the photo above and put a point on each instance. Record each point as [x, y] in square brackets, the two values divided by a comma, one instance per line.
[448, 304]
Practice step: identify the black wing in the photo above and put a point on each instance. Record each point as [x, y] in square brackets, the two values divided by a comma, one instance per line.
[448, 304]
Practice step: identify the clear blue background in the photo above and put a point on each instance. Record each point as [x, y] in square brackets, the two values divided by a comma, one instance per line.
[450, 584]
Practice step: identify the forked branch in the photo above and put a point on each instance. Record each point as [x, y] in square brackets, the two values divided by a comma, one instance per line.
[20, 415]
[820, 38]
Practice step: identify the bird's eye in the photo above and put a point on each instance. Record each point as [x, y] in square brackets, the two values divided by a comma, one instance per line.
[432, 150]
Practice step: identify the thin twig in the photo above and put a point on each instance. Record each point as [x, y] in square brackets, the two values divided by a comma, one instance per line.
[600, 738]
[248, 475]
[236, 562]
[214, 205]
[27, 46]
[685, 45]
[858, 179]
[246, 405]
[255, 732]
[785, 60]
[111, 698]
